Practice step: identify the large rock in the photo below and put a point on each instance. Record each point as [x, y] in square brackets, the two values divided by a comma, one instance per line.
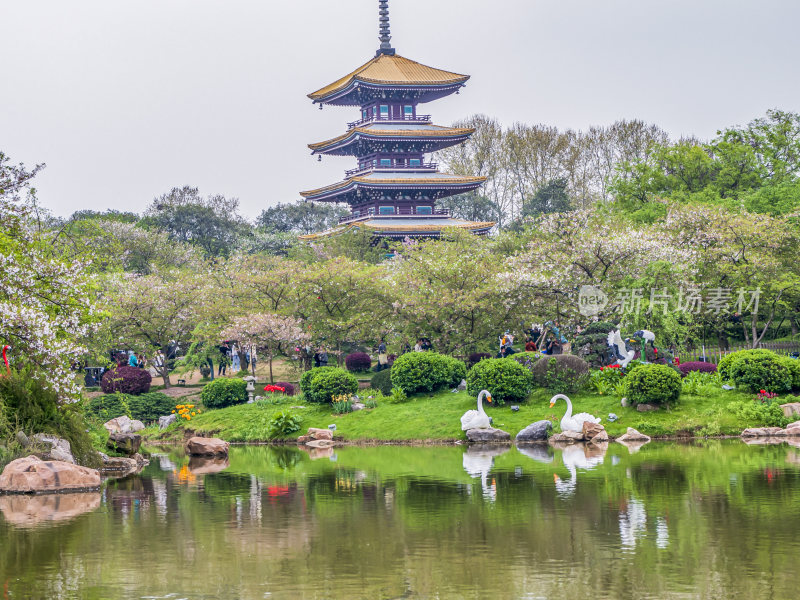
[565, 437]
[29, 511]
[136, 426]
[764, 432]
[633, 436]
[55, 447]
[535, 432]
[590, 430]
[126, 443]
[200, 446]
[119, 425]
[31, 475]
[646, 407]
[488, 435]
[791, 409]
[600, 438]
[319, 434]
[166, 421]
[462, 387]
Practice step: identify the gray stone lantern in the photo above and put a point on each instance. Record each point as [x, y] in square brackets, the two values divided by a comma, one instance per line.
[250, 387]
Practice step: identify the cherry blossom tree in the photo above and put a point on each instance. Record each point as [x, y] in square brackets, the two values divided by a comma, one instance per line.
[46, 303]
[267, 332]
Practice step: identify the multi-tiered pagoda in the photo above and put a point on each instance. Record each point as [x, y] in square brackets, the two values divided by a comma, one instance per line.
[393, 190]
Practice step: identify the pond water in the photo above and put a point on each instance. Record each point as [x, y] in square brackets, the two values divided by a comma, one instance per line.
[714, 520]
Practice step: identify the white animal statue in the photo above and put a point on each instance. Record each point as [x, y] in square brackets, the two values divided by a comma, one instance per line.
[647, 336]
[617, 344]
[477, 419]
[571, 422]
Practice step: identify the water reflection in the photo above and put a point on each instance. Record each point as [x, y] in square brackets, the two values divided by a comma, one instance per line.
[29, 511]
[669, 521]
[578, 456]
[478, 462]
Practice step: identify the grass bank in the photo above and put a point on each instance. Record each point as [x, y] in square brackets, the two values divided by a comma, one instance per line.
[436, 418]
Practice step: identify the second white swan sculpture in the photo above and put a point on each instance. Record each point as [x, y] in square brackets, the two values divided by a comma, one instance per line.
[572, 422]
[477, 419]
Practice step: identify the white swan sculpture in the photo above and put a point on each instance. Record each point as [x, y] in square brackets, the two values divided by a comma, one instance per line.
[572, 422]
[477, 419]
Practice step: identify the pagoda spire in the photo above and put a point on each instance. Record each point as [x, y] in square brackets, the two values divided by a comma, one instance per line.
[383, 29]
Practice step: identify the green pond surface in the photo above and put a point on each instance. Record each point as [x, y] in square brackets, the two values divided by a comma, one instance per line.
[715, 519]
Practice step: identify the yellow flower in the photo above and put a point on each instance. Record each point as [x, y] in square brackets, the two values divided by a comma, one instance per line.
[193, 413]
[188, 418]
[173, 412]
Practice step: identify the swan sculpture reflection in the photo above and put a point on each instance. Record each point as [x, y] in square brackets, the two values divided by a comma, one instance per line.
[477, 419]
[570, 422]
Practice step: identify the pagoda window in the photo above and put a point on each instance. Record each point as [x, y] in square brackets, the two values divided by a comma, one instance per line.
[386, 210]
[384, 111]
[386, 162]
[408, 112]
[401, 162]
[414, 162]
[424, 210]
[364, 114]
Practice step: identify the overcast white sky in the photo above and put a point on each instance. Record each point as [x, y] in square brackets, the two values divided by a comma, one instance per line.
[125, 99]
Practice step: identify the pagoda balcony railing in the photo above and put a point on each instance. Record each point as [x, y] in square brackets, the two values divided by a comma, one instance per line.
[417, 119]
[426, 166]
[399, 212]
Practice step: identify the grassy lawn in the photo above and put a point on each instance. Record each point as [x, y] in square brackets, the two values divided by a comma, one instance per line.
[436, 418]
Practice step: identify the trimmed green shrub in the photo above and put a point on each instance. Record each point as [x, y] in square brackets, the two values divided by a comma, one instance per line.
[505, 378]
[759, 414]
[653, 384]
[224, 392]
[758, 370]
[329, 383]
[305, 378]
[382, 380]
[793, 365]
[726, 363]
[144, 407]
[416, 372]
[562, 373]
[592, 344]
[128, 380]
[526, 359]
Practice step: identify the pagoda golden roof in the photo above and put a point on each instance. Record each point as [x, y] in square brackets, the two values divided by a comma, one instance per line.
[392, 69]
[421, 179]
[434, 131]
[400, 227]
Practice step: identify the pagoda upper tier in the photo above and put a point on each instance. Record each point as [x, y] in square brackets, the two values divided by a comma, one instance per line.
[390, 77]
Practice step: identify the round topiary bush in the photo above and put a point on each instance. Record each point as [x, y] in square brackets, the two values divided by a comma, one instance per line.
[358, 362]
[506, 380]
[725, 365]
[382, 381]
[592, 344]
[333, 382]
[561, 374]
[224, 392]
[703, 367]
[128, 380]
[416, 372]
[305, 378]
[653, 384]
[290, 389]
[793, 365]
[760, 370]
